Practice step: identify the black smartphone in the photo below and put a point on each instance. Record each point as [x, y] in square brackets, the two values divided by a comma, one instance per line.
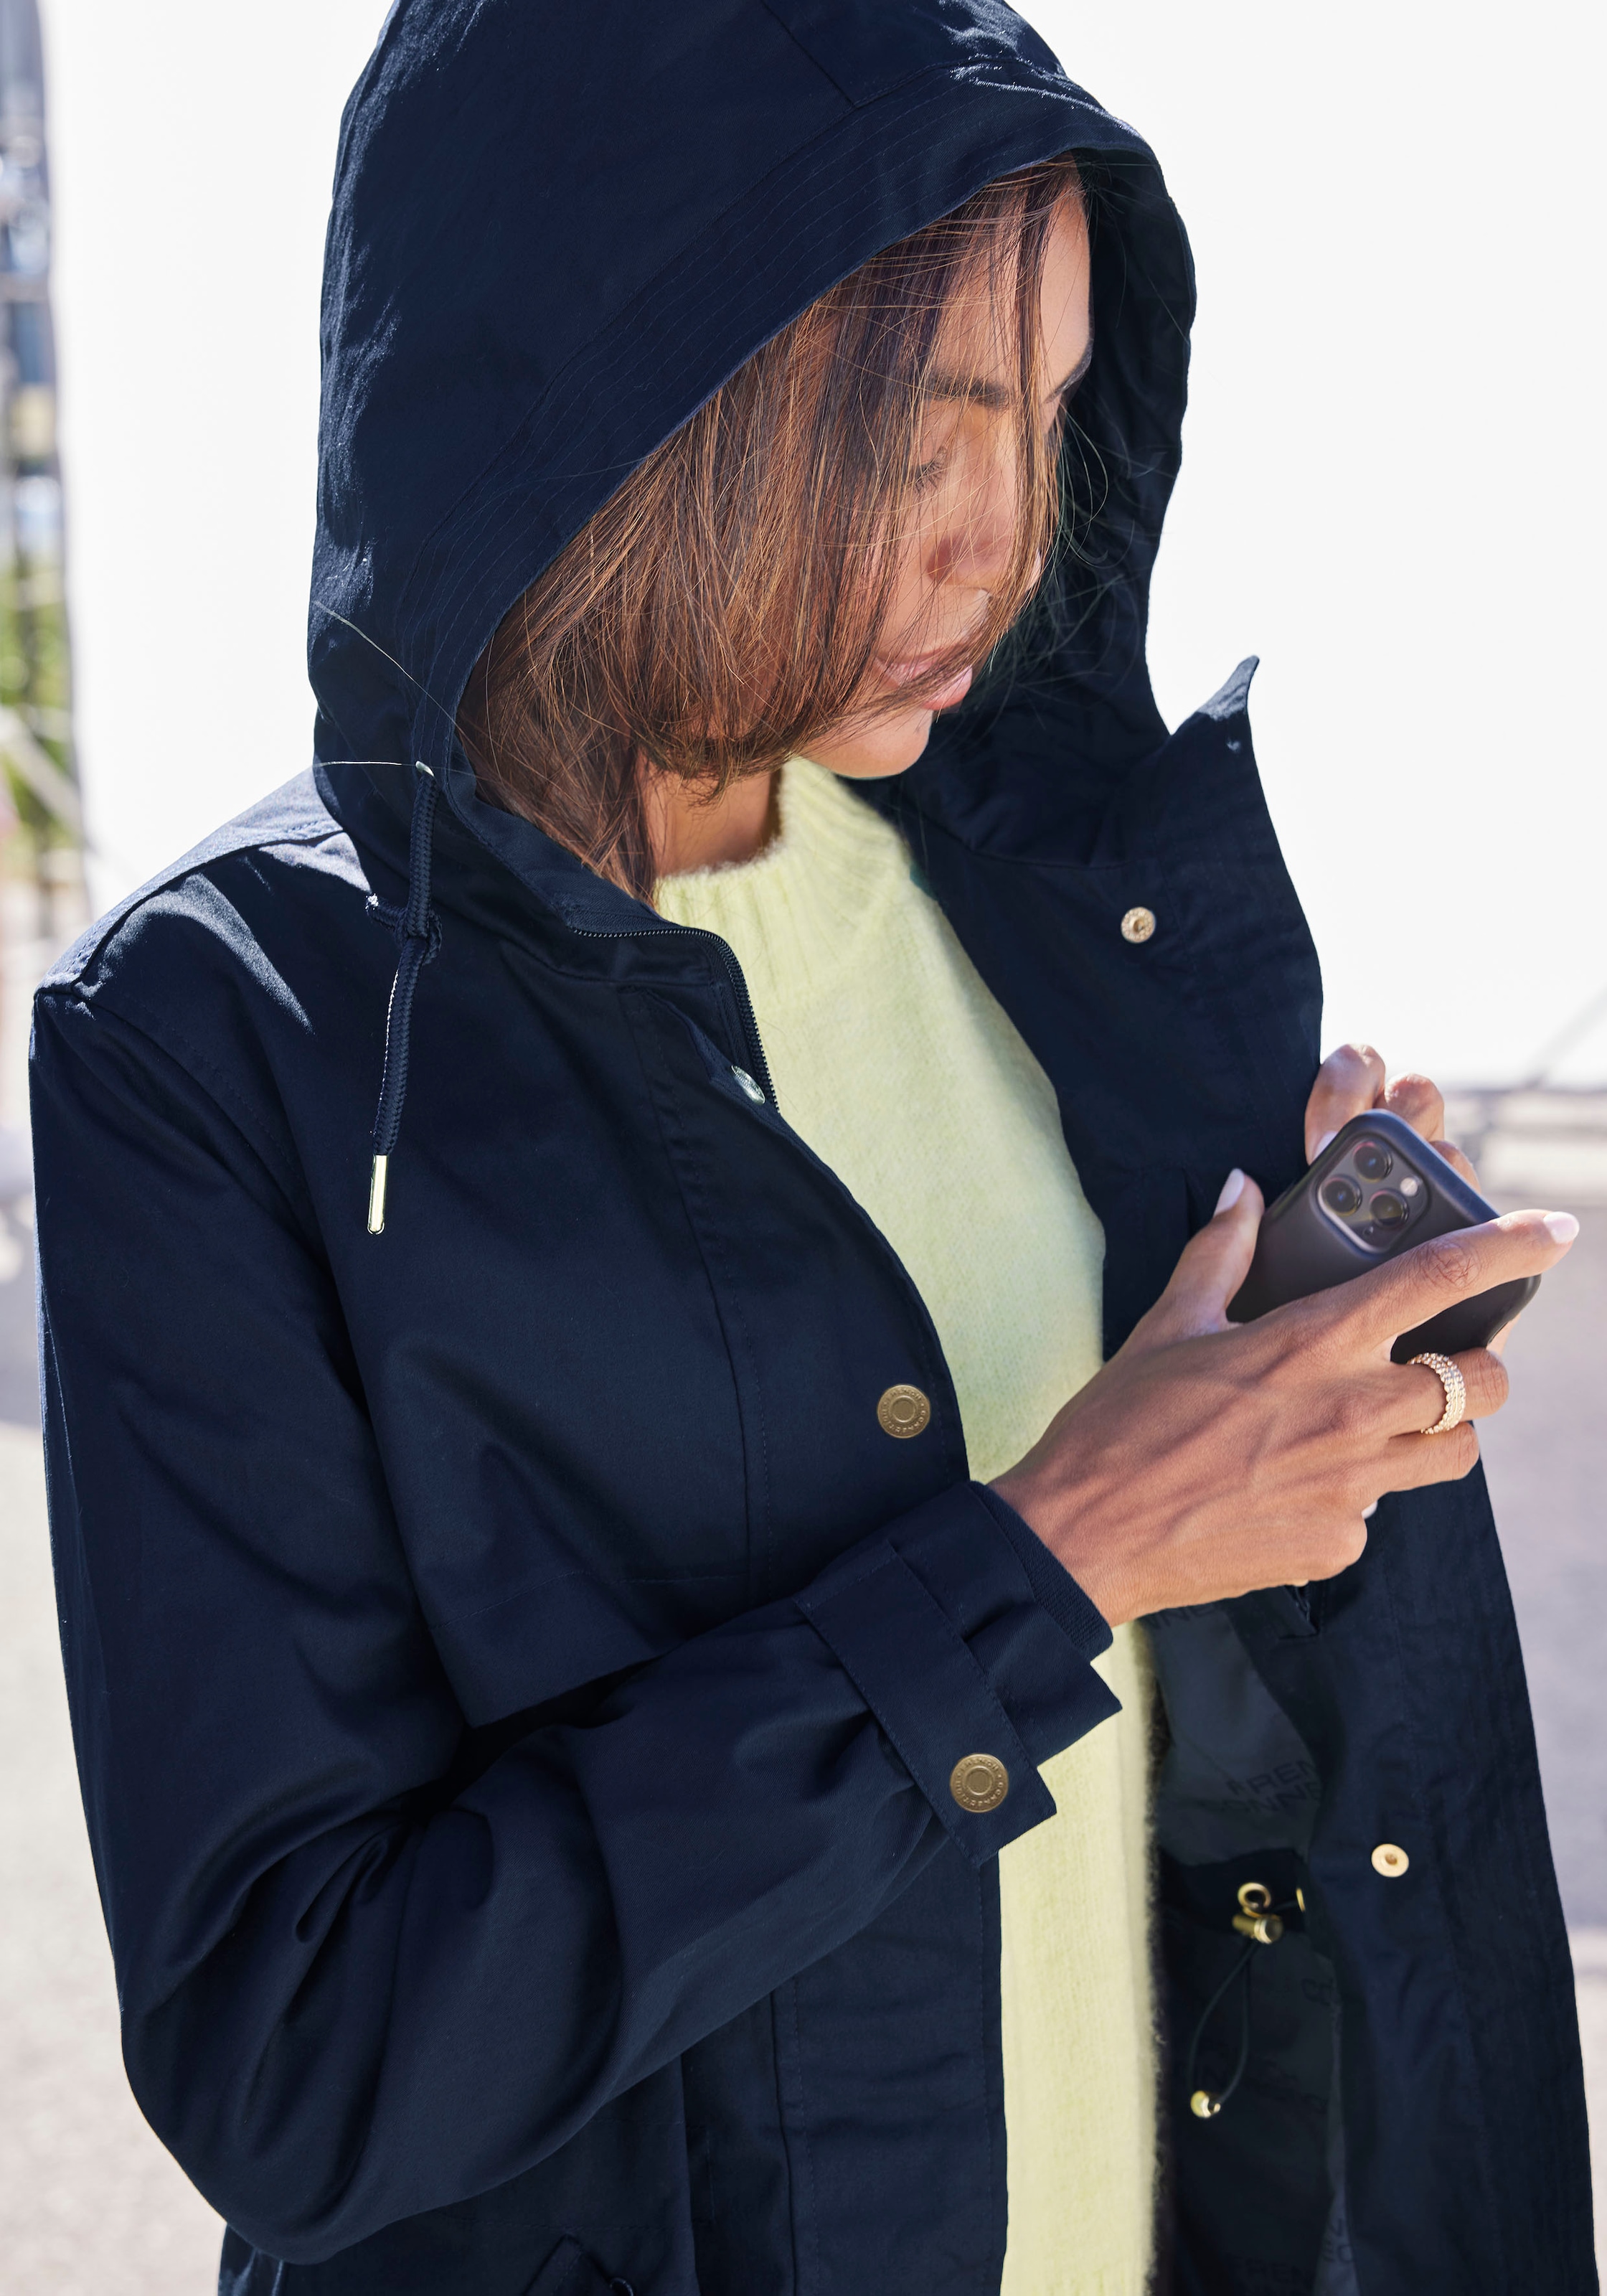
[1375, 1189]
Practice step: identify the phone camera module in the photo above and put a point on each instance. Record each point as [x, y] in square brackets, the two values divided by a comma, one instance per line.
[1341, 1195]
[1389, 1209]
[1372, 1160]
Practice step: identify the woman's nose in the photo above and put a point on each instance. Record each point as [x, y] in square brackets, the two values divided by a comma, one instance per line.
[975, 549]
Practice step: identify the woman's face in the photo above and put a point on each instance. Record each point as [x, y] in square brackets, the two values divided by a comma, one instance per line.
[964, 528]
[959, 548]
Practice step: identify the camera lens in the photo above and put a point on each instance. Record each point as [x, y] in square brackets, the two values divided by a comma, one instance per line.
[1370, 1160]
[1387, 1209]
[1340, 1194]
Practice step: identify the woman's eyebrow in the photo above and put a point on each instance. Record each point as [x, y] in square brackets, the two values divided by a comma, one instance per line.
[1077, 372]
[998, 397]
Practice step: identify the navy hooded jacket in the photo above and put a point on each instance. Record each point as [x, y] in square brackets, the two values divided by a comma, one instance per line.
[516, 1681]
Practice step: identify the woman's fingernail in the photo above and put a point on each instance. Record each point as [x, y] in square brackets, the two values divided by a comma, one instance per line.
[1232, 1188]
[1326, 1138]
[1561, 1226]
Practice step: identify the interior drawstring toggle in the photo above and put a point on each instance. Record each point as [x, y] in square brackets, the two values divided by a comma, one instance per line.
[420, 936]
[1257, 1921]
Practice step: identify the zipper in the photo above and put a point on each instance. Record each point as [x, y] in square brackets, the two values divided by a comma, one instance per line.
[745, 1012]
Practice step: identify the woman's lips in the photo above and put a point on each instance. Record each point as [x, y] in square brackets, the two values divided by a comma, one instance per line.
[905, 672]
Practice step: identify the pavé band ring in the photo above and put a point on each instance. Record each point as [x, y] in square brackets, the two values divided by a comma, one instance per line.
[1456, 1392]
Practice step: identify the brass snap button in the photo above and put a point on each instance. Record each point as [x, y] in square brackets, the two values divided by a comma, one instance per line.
[1389, 1860]
[903, 1411]
[1138, 924]
[979, 1783]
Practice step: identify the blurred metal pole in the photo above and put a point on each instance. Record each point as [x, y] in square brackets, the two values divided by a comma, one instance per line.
[1573, 1032]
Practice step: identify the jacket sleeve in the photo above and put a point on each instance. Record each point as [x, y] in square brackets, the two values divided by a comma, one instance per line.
[349, 1992]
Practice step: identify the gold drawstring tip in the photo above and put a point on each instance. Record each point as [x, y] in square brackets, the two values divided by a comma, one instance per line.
[1203, 2105]
[376, 1196]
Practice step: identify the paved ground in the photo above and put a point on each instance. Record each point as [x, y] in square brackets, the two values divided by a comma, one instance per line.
[90, 2205]
[1546, 1460]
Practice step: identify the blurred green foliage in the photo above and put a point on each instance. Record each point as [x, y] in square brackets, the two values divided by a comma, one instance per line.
[35, 681]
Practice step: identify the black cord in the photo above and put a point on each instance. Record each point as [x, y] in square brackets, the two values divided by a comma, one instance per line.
[1218, 2098]
[1207, 2103]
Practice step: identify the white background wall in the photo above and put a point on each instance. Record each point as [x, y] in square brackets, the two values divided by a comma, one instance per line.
[1393, 488]
[1393, 477]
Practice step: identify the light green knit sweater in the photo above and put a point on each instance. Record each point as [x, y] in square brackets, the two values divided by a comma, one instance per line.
[892, 1060]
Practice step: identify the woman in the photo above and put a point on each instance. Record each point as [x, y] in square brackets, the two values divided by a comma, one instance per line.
[566, 1616]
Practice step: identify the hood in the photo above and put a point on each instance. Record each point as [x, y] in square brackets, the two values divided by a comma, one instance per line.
[557, 230]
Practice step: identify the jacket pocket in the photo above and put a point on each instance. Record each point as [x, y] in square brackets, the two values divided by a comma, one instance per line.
[572, 2270]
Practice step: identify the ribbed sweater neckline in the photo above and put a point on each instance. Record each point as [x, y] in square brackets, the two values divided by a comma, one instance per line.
[798, 912]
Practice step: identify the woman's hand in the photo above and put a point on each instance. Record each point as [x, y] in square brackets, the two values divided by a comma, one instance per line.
[1352, 1081]
[1208, 1458]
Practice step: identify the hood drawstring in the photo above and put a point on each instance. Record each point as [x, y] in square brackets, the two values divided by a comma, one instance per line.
[420, 936]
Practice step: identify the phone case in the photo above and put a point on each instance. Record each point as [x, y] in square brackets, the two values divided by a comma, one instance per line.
[1376, 1190]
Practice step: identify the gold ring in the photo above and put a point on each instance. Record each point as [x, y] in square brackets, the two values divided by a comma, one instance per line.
[1456, 1392]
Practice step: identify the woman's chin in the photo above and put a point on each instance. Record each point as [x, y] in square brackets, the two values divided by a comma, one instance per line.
[890, 744]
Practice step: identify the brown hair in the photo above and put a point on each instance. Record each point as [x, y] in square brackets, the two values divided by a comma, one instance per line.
[724, 606]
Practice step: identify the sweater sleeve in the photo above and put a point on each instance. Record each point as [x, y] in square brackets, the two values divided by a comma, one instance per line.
[352, 1987]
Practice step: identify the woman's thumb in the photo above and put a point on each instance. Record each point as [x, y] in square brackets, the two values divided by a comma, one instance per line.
[1214, 1263]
